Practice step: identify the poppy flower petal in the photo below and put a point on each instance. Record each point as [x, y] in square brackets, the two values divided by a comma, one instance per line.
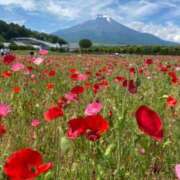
[149, 122]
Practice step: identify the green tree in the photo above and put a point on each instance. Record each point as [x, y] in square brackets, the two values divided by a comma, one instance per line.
[2, 39]
[85, 43]
[10, 31]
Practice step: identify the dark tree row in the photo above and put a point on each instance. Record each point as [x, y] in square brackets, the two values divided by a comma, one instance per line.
[147, 50]
[9, 31]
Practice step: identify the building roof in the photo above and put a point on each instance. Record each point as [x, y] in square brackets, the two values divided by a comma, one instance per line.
[34, 41]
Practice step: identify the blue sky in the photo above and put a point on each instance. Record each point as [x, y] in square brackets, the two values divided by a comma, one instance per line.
[159, 17]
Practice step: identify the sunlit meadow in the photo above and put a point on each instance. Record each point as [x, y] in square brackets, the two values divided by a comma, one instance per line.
[90, 117]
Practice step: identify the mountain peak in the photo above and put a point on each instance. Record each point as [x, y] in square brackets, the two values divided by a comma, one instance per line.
[104, 17]
[105, 30]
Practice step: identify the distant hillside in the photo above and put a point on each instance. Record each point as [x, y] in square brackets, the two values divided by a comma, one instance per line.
[105, 30]
[9, 31]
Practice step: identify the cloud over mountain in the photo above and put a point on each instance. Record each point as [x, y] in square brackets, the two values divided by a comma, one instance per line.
[50, 15]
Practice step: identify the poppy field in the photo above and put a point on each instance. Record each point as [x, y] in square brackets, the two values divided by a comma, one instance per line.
[87, 117]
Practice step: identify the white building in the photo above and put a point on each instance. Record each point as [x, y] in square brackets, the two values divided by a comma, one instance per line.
[36, 43]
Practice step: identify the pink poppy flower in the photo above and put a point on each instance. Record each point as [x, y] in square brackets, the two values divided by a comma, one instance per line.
[79, 77]
[70, 96]
[4, 110]
[17, 67]
[38, 60]
[33, 76]
[177, 68]
[35, 123]
[177, 171]
[43, 52]
[93, 109]
[82, 77]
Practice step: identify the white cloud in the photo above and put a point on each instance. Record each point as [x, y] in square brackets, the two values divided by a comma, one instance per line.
[138, 9]
[61, 9]
[169, 31]
[75, 9]
[25, 4]
[132, 13]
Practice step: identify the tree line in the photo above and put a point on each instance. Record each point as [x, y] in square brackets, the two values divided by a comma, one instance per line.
[12, 30]
[146, 50]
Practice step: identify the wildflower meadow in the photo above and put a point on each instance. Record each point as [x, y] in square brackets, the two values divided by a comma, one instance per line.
[88, 117]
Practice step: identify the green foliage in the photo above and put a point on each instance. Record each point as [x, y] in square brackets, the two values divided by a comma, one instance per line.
[9, 31]
[2, 39]
[14, 47]
[58, 49]
[146, 50]
[85, 43]
[1, 45]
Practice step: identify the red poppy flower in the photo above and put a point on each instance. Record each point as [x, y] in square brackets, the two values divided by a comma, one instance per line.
[78, 77]
[104, 83]
[16, 90]
[119, 78]
[110, 113]
[76, 128]
[130, 85]
[62, 102]
[87, 85]
[100, 85]
[52, 73]
[50, 86]
[149, 122]
[173, 76]
[171, 101]
[25, 164]
[163, 68]
[77, 90]
[53, 113]
[8, 59]
[132, 71]
[30, 68]
[125, 83]
[98, 74]
[148, 61]
[132, 88]
[74, 71]
[90, 126]
[2, 130]
[74, 76]
[140, 70]
[7, 74]
[95, 126]
[96, 88]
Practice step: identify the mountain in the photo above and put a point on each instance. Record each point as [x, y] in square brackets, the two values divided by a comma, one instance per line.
[105, 30]
[9, 31]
